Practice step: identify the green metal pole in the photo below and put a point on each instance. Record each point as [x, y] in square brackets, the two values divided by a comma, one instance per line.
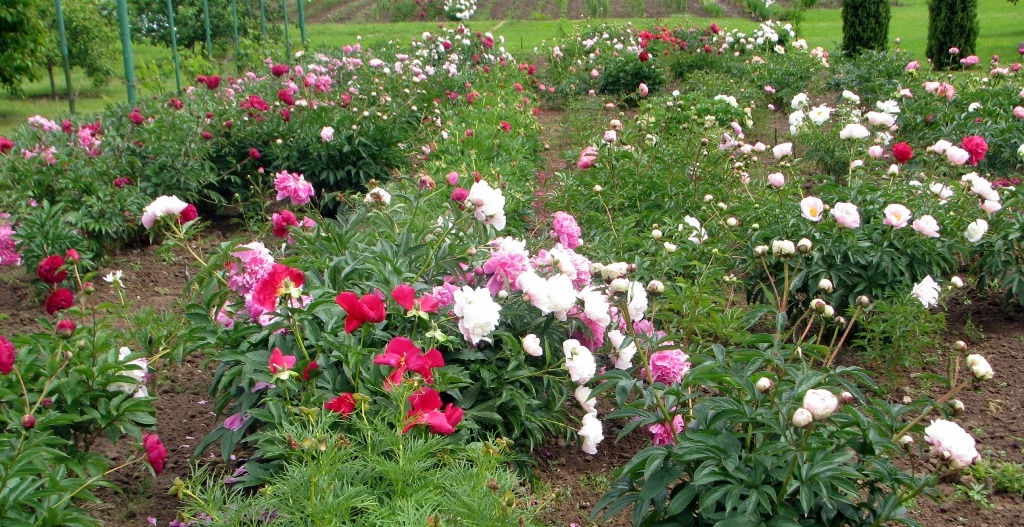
[64, 54]
[287, 43]
[234, 22]
[174, 44]
[302, 20]
[206, 22]
[263, 18]
[126, 49]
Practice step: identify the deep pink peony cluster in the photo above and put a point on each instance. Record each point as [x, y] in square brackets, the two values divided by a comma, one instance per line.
[566, 230]
[660, 433]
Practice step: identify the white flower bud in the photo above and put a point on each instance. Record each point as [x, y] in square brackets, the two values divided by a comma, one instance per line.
[802, 417]
[597, 189]
[656, 287]
[959, 345]
[864, 300]
[670, 247]
[502, 294]
[825, 285]
[980, 367]
[656, 234]
[957, 282]
[906, 441]
[958, 406]
[709, 197]
[732, 221]
[804, 246]
[783, 248]
[818, 305]
[829, 311]
[764, 384]
[619, 285]
[760, 250]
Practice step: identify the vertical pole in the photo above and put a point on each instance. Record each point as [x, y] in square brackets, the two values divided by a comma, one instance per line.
[234, 26]
[64, 54]
[263, 18]
[126, 49]
[287, 43]
[174, 44]
[206, 22]
[302, 20]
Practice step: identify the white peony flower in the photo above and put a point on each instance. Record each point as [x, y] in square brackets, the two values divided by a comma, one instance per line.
[582, 394]
[579, 361]
[478, 313]
[976, 230]
[591, 432]
[636, 301]
[139, 374]
[489, 204]
[927, 291]
[161, 206]
[951, 443]
[531, 345]
[378, 195]
[698, 234]
[621, 356]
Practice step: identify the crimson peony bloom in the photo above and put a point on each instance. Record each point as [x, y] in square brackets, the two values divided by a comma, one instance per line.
[7, 355]
[426, 409]
[279, 69]
[405, 295]
[644, 56]
[506, 126]
[50, 270]
[59, 300]
[282, 221]
[156, 454]
[902, 152]
[367, 308]
[136, 116]
[403, 355]
[211, 81]
[279, 362]
[255, 154]
[460, 195]
[977, 147]
[279, 281]
[66, 328]
[175, 103]
[6, 145]
[188, 214]
[343, 404]
[285, 96]
[122, 182]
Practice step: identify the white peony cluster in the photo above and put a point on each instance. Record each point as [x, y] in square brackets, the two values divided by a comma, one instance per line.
[162, 206]
[478, 313]
[489, 204]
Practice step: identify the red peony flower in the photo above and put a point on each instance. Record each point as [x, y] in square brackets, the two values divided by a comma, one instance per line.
[644, 56]
[343, 404]
[136, 116]
[175, 103]
[405, 295]
[279, 69]
[206, 135]
[211, 81]
[280, 280]
[6, 145]
[426, 409]
[279, 362]
[902, 152]
[282, 221]
[156, 454]
[122, 182]
[976, 146]
[505, 126]
[7, 355]
[367, 308]
[403, 355]
[286, 114]
[67, 126]
[59, 300]
[50, 270]
[188, 214]
[66, 328]
[255, 154]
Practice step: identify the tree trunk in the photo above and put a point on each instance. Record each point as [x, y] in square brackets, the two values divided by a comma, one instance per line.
[53, 83]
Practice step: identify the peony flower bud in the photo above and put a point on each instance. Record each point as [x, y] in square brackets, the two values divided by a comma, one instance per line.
[829, 311]
[598, 189]
[980, 367]
[818, 305]
[820, 403]
[959, 345]
[840, 321]
[783, 248]
[957, 282]
[802, 417]
[764, 384]
[825, 285]
[732, 221]
[28, 421]
[670, 247]
[957, 406]
[655, 287]
[503, 294]
[656, 234]
[906, 441]
[847, 397]
[619, 285]
[863, 300]
[760, 250]
[804, 246]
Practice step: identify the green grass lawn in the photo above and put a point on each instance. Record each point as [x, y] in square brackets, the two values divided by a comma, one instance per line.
[1001, 32]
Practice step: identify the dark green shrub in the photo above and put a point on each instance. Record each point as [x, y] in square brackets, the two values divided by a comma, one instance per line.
[865, 25]
[951, 24]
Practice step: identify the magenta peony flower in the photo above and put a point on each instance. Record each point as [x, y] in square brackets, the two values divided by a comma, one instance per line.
[660, 433]
[156, 454]
[564, 226]
[293, 186]
[976, 146]
[7, 355]
[50, 270]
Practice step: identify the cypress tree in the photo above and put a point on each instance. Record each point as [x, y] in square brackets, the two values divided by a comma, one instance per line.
[865, 25]
[951, 24]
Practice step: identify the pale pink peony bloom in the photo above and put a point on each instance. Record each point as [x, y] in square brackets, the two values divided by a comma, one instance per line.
[820, 403]
[854, 131]
[876, 151]
[946, 90]
[951, 443]
[956, 155]
[1018, 112]
[566, 229]
[812, 208]
[976, 230]
[911, 66]
[644, 90]
[532, 345]
[327, 134]
[846, 215]
[587, 158]
[896, 216]
[991, 206]
[776, 179]
[927, 226]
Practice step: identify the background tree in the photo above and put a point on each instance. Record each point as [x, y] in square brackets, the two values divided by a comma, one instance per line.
[93, 40]
[865, 25]
[150, 20]
[951, 24]
[22, 40]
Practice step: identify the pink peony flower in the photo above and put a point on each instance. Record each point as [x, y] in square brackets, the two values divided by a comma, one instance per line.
[660, 433]
[644, 90]
[587, 158]
[156, 454]
[293, 186]
[669, 366]
[7, 355]
[846, 215]
[1018, 112]
[896, 216]
[912, 66]
[782, 150]
[566, 229]
[951, 443]
[958, 156]
[820, 403]
[776, 179]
